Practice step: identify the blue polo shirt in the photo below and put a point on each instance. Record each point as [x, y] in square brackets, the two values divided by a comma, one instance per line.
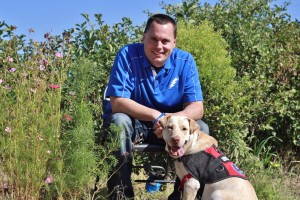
[133, 77]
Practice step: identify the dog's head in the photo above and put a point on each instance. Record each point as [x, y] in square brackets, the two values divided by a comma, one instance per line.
[177, 131]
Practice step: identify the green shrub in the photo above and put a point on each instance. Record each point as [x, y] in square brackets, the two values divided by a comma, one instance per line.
[224, 97]
[263, 44]
[85, 158]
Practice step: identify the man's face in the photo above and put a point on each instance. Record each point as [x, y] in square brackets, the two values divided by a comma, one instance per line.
[159, 42]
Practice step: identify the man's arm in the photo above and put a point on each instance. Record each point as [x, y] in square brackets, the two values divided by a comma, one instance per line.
[193, 110]
[132, 108]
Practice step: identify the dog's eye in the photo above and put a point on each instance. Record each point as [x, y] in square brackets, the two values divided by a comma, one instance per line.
[184, 129]
[170, 127]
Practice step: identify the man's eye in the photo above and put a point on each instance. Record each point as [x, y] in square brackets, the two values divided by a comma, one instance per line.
[170, 127]
[164, 41]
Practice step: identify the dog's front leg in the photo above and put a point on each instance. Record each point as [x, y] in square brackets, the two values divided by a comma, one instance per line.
[191, 188]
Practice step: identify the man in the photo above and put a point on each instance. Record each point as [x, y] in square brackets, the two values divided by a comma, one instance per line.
[148, 81]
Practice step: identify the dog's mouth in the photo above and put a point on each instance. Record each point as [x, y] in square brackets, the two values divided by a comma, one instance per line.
[175, 151]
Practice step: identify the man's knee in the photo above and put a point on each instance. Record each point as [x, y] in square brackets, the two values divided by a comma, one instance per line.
[117, 123]
[119, 119]
[203, 126]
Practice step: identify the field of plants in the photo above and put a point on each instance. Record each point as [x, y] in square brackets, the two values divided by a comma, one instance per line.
[248, 57]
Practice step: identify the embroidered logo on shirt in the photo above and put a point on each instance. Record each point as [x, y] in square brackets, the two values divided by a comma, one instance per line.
[173, 83]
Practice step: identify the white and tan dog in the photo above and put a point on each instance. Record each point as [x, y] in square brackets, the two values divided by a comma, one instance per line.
[184, 138]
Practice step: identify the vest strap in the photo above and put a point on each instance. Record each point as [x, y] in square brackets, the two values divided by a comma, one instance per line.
[185, 179]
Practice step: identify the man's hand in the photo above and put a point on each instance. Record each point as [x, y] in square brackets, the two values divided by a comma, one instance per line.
[158, 130]
[157, 127]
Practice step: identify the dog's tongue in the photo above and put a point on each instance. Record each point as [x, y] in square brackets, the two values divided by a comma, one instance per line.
[176, 151]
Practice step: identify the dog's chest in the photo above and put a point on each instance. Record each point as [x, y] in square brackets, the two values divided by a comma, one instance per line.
[180, 169]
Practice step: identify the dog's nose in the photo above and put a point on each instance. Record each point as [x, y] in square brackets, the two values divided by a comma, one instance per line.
[176, 139]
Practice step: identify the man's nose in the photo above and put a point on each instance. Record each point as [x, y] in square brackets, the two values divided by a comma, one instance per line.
[159, 44]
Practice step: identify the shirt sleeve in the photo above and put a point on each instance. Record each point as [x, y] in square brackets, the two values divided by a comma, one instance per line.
[192, 89]
[121, 79]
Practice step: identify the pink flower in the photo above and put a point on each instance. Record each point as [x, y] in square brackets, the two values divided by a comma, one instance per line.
[54, 86]
[1, 81]
[67, 117]
[8, 130]
[49, 179]
[45, 62]
[48, 151]
[10, 59]
[12, 69]
[59, 55]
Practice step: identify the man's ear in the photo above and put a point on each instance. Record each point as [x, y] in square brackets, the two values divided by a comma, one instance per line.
[164, 121]
[193, 126]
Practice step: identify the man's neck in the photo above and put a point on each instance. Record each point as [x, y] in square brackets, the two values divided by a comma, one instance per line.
[157, 69]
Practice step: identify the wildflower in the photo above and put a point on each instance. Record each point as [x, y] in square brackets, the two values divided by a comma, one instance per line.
[1, 81]
[72, 93]
[67, 117]
[42, 67]
[45, 62]
[12, 70]
[48, 151]
[33, 90]
[10, 59]
[53, 86]
[8, 130]
[47, 35]
[49, 179]
[37, 80]
[39, 137]
[7, 87]
[59, 55]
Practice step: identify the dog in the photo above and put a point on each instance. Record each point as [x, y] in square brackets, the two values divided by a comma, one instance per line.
[192, 150]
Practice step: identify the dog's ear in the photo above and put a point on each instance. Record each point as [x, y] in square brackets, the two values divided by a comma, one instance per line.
[193, 126]
[164, 121]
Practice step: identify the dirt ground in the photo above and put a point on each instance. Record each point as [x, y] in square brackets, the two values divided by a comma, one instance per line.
[294, 185]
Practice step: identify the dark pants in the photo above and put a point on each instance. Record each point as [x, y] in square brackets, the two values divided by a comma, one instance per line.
[119, 184]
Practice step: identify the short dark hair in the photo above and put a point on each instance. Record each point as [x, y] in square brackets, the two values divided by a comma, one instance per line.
[161, 19]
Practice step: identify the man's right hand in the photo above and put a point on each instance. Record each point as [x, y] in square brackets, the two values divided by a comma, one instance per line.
[158, 131]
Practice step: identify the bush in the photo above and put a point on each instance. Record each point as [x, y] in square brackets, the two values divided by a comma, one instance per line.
[224, 97]
[264, 47]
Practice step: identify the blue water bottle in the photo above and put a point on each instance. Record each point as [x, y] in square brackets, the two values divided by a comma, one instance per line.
[152, 186]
